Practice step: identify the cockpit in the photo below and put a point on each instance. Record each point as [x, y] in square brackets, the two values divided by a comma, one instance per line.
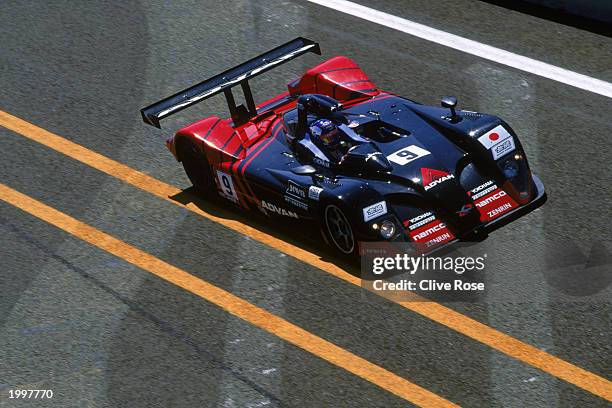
[355, 127]
[355, 152]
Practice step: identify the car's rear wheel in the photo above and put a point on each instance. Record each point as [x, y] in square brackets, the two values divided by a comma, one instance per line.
[196, 166]
[339, 230]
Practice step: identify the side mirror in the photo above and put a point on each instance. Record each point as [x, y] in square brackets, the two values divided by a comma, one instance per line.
[305, 170]
[322, 105]
[449, 102]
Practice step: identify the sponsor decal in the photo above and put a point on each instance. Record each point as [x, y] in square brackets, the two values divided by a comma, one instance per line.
[494, 204]
[420, 220]
[295, 194]
[480, 187]
[278, 210]
[432, 177]
[432, 234]
[440, 239]
[493, 197]
[428, 231]
[321, 162]
[374, 210]
[421, 223]
[484, 192]
[314, 192]
[407, 154]
[296, 203]
[502, 148]
[420, 217]
[465, 210]
[499, 210]
[498, 141]
[295, 190]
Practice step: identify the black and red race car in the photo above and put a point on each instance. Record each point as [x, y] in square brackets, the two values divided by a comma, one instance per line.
[402, 172]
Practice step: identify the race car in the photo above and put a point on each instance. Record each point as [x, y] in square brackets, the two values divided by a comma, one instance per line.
[365, 164]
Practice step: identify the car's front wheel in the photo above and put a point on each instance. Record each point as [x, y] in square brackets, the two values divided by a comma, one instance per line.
[339, 230]
[196, 166]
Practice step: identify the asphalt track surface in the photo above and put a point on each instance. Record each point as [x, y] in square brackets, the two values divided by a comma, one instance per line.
[100, 331]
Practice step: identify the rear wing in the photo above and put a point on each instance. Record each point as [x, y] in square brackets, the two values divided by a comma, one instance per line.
[225, 81]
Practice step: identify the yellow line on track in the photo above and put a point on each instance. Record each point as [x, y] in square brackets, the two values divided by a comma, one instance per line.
[229, 302]
[465, 325]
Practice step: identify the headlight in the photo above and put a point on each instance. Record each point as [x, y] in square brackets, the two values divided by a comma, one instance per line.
[387, 229]
[514, 168]
[510, 169]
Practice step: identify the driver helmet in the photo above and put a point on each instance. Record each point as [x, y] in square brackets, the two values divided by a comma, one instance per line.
[326, 131]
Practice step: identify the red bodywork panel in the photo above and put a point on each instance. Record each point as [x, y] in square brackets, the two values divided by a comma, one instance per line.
[339, 77]
[231, 150]
[216, 135]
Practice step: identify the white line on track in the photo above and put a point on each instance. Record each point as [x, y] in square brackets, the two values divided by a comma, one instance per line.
[498, 55]
[529, 301]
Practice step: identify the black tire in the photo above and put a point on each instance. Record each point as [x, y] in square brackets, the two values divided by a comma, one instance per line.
[338, 230]
[196, 166]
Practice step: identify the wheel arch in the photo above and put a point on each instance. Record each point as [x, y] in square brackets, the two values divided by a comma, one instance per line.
[352, 197]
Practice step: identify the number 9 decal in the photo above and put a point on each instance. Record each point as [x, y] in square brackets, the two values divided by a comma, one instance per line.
[227, 186]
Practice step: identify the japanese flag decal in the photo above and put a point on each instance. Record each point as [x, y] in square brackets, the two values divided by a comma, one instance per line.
[498, 141]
